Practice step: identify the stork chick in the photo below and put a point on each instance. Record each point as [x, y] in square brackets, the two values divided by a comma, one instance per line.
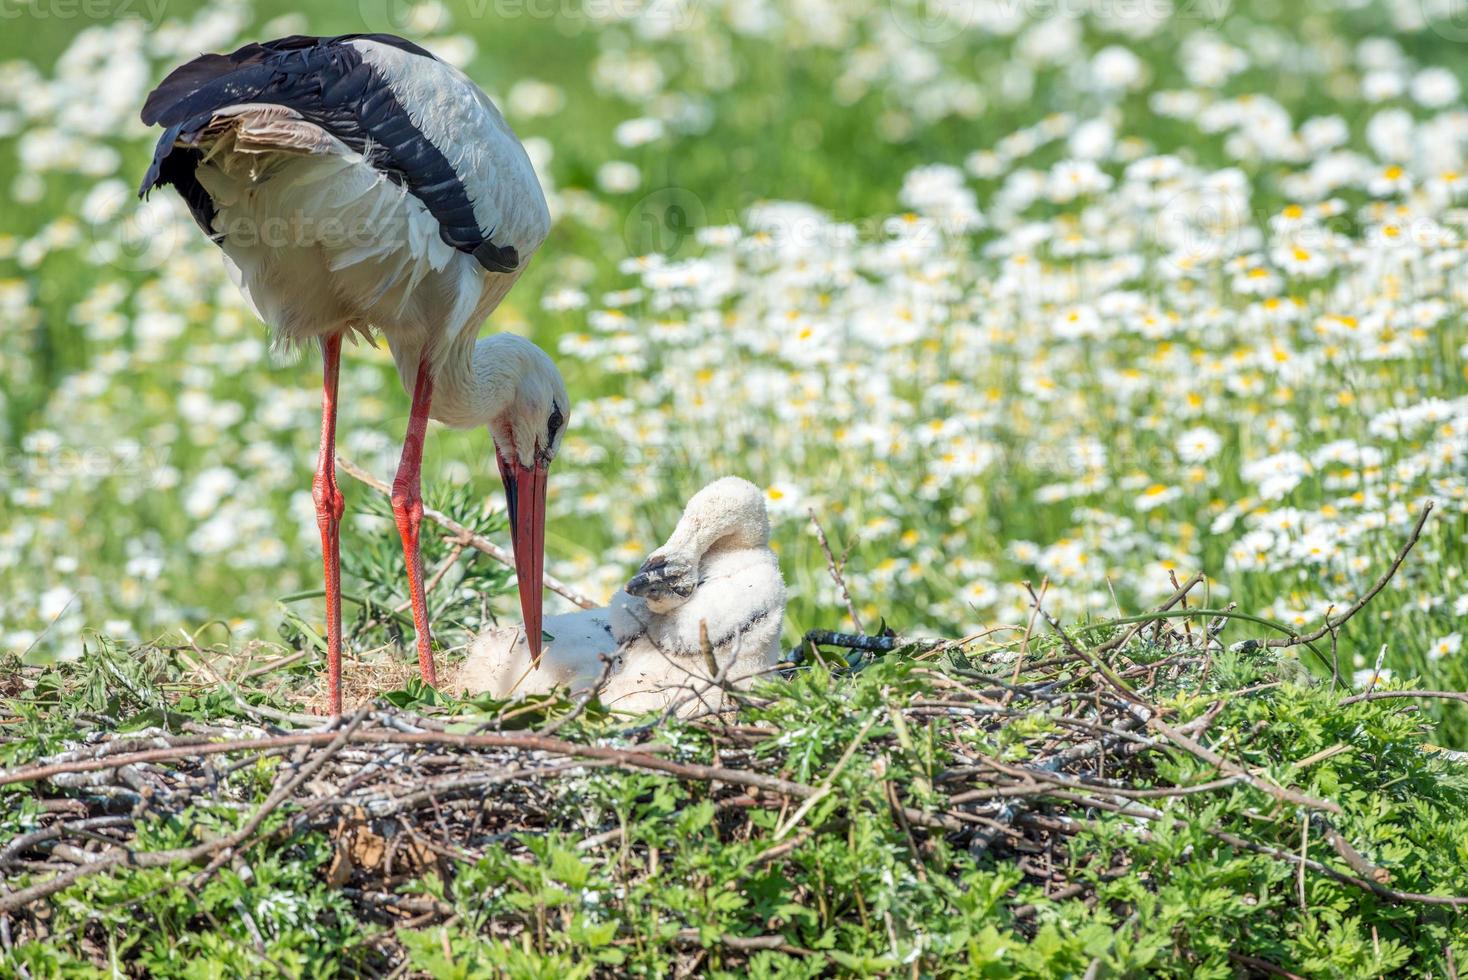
[716, 573]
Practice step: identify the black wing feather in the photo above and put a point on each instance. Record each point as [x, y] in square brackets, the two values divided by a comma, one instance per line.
[329, 84]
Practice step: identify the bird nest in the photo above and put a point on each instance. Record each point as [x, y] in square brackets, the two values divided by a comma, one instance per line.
[1010, 752]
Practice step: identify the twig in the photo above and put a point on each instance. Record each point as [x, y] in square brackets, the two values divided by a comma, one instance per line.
[582, 700]
[1263, 966]
[904, 739]
[407, 903]
[477, 541]
[1280, 642]
[154, 859]
[835, 571]
[626, 758]
[1122, 639]
[438, 573]
[1122, 687]
[1320, 756]
[1376, 670]
[1390, 894]
[1351, 856]
[1024, 643]
[825, 788]
[1304, 853]
[1378, 695]
[746, 943]
[1293, 797]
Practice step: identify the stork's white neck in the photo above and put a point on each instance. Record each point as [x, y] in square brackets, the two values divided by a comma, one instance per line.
[726, 515]
[475, 382]
[476, 386]
[502, 381]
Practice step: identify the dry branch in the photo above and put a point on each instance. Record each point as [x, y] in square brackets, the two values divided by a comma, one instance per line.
[476, 541]
[1332, 624]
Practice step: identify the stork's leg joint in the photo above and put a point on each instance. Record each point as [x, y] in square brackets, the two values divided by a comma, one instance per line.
[330, 503]
[407, 509]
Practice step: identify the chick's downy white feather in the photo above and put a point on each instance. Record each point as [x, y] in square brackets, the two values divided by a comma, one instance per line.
[716, 574]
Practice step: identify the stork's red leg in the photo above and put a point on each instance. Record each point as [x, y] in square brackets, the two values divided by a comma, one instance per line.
[329, 506]
[407, 507]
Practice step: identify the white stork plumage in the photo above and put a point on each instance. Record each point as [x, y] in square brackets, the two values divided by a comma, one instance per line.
[716, 574]
[359, 184]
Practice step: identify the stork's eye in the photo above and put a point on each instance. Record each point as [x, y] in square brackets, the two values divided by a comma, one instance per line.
[553, 425]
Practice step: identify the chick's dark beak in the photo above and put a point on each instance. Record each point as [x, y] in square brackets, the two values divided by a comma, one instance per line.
[525, 491]
[661, 576]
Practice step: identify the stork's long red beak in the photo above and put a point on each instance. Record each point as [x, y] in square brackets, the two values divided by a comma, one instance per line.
[525, 496]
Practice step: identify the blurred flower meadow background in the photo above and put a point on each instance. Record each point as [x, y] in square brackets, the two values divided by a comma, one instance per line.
[1093, 291]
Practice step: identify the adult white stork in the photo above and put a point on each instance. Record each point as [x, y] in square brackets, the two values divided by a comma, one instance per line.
[359, 184]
